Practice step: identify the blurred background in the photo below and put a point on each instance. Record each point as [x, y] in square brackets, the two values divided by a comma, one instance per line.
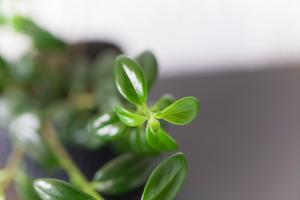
[240, 58]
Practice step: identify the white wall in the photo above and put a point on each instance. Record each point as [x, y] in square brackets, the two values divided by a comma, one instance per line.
[186, 35]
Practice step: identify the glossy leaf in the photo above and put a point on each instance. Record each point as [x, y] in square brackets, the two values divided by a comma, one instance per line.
[41, 38]
[51, 189]
[122, 174]
[149, 64]
[24, 187]
[105, 127]
[181, 112]
[130, 80]
[162, 103]
[161, 140]
[24, 131]
[139, 144]
[129, 118]
[167, 179]
[154, 125]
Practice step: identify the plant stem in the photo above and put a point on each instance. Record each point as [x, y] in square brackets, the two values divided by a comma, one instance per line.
[11, 168]
[67, 163]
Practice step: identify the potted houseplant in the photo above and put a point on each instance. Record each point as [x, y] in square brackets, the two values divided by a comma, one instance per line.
[60, 97]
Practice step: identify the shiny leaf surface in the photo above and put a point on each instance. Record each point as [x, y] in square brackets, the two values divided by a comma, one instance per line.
[105, 127]
[181, 112]
[161, 140]
[24, 131]
[167, 179]
[154, 125]
[51, 189]
[130, 80]
[162, 103]
[129, 118]
[122, 174]
[149, 64]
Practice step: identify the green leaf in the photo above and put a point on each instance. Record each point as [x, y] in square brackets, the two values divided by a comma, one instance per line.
[149, 64]
[138, 142]
[130, 80]
[181, 112]
[24, 187]
[162, 103]
[102, 75]
[4, 74]
[129, 118]
[3, 19]
[154, 125]
[51, 189]
[167, 179]
[105, 127]
[25, 133]
[122, 174]
[161, 140]
[41, 38]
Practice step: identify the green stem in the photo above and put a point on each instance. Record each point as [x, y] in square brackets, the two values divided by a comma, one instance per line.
[67, 163]
[11, 168]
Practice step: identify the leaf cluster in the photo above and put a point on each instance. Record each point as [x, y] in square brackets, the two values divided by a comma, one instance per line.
[91, 103]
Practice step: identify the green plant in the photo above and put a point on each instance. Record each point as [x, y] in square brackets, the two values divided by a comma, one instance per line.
[52, 94]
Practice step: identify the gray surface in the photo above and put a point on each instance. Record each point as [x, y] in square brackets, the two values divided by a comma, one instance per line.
[245, 145]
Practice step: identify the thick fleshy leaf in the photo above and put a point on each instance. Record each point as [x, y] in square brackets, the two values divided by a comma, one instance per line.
[161, 140]
[154, 125]
[24, 131]
[129, 118]
[51, 189]
[181, 112]
[162, 103]
[41, 38]
[122, 174]
[24, 187]
[130, 80]
[167, 179]
[105, 127]
[149, 64]
[139, 144]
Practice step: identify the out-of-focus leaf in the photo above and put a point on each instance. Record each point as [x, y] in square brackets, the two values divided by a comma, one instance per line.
[3, 19]
[167, 179]
[23, 70]
[161, 140]
[139, 144]
[130, 80]
[42, 39]
[24, 187]
[24, 131]
[154, 125]
[162, 103]
[107, 96]
[106, 127]
[129, 118]
[181, 112]
[149, 64]
[51, 189]
[5, 76]
[122, 174]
